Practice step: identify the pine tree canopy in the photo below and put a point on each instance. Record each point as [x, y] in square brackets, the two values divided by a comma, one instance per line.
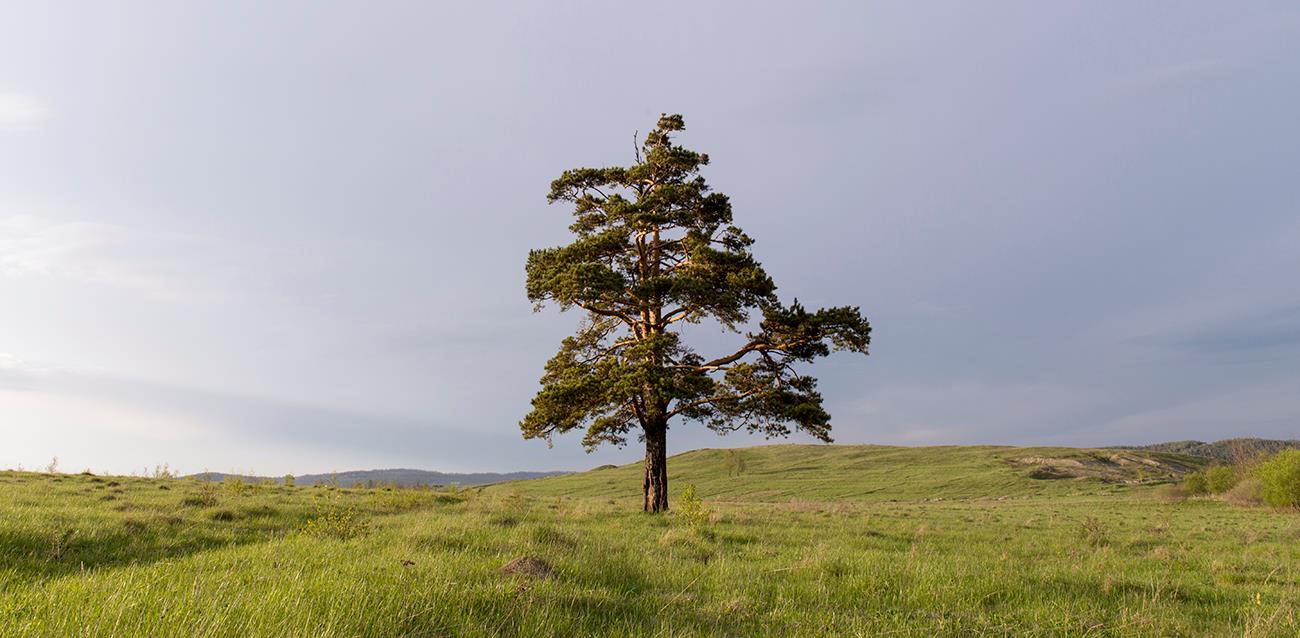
[654, 248]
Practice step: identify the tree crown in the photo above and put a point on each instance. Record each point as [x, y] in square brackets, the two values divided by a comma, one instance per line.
[654, 248]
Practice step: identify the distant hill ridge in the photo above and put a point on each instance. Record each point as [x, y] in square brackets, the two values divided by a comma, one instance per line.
[399, 476]
[1227, 450]
[784, 473]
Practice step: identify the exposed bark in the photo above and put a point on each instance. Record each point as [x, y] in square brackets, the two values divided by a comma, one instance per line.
[656, 467]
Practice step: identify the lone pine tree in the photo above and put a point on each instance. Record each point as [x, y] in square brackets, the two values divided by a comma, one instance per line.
[655, 249]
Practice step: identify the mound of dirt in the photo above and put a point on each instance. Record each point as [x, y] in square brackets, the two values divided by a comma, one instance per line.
[529, 567]
[1113, 467]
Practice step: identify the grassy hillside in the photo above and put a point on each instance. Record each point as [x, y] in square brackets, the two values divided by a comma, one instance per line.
[780, 473]
[115, 556]
[381, 478]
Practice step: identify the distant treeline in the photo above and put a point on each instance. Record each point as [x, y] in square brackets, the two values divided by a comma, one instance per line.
[1227, 450]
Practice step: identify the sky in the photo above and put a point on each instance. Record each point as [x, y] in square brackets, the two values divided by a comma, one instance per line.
[289, 237]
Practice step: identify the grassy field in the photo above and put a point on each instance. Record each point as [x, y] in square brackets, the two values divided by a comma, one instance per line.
[859, 547]
[873, 473]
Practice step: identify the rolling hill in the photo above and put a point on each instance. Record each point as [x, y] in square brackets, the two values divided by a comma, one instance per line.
[400, 477]
[775, 473]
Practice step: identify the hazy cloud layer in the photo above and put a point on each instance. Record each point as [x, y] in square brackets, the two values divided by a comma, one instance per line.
[291, 237]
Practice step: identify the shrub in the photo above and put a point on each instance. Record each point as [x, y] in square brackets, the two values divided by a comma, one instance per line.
[288, 480]
[1220, 479]
[690, 507]
[206, 497]
[1279, 479]
[338, 523]
[236, 485]
[1194, 484]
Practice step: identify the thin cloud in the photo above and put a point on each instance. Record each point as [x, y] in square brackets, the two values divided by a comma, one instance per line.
[1275, 329]
[21, 112]
[162, 264]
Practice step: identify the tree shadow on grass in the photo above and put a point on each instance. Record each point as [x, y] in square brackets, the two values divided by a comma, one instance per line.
[33, 555]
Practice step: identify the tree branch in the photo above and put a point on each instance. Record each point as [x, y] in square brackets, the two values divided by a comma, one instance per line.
[695, 404]
[627, 319]
[603, 353]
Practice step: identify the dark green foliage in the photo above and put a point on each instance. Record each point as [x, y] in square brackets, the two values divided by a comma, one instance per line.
[1195, 484]
[654, 249]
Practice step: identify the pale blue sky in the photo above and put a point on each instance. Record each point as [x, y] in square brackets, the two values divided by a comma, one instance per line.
[289, 237]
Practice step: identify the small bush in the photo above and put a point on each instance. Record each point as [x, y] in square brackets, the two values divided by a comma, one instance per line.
[237, 485]
[1279, 479]
[288, 480]
[206, 497]
[690, 508]
[1194, 484]
[336, 523]
[1220, 479]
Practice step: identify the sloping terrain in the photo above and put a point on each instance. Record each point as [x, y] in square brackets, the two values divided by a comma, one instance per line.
[775, 473]
[399, 477]
[84, 555]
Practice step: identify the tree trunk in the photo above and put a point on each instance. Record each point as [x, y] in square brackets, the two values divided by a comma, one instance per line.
[656, 468]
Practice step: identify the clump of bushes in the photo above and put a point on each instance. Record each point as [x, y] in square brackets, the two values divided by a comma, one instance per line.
[1279, 479]
[1275, 481]
[1220, 479]
[1216, 480]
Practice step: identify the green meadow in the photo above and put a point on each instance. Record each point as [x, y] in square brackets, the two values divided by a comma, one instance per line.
[787, 541]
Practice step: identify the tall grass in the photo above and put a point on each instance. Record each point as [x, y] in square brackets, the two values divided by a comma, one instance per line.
[429, 563]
